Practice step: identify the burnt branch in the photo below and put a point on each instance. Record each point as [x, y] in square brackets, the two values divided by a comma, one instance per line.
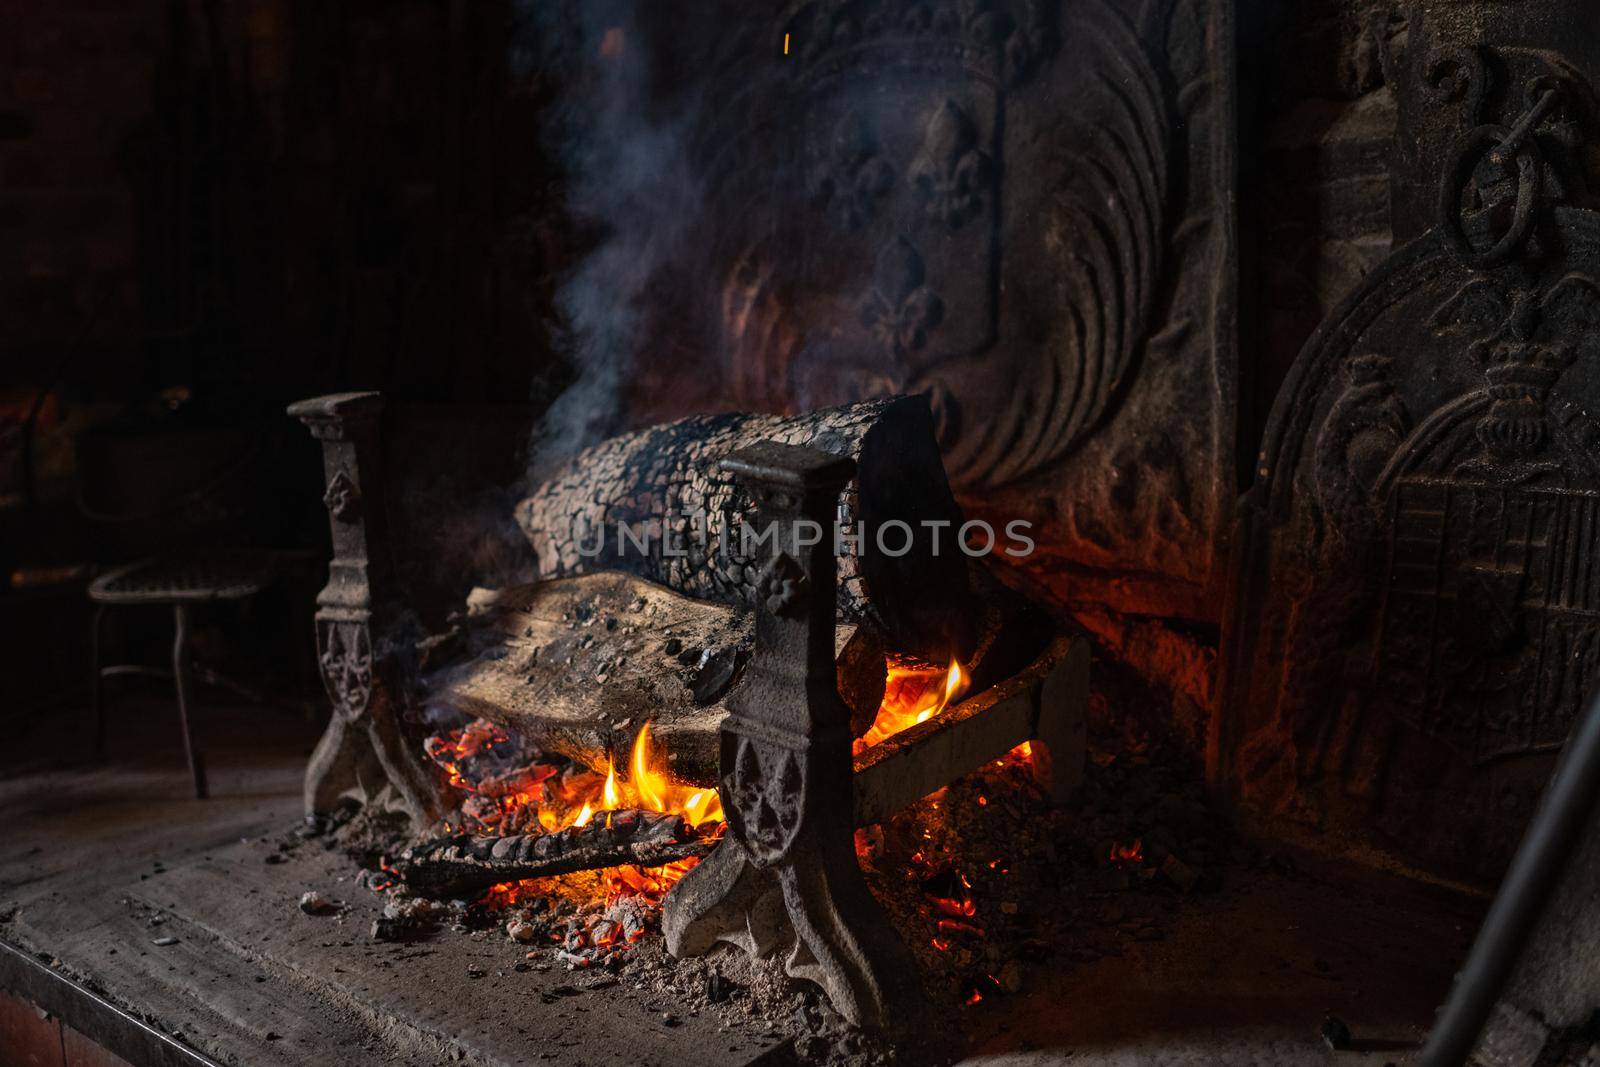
[463, 866]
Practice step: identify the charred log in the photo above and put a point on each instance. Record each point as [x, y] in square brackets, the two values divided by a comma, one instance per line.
[463, 866]
[683, 517]
[578, 666]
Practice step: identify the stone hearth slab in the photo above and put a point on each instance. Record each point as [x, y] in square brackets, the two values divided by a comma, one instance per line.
[252, 979]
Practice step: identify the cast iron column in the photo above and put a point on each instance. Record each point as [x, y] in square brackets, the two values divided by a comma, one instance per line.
[786, 876]
[363, 745]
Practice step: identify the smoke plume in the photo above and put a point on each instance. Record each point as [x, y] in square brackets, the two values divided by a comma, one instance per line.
[629, 180]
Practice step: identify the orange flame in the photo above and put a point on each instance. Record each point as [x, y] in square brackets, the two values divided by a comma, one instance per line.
[913, 693]
[556, 802]
[609, 793]
[644, 781]
[648, 789]
[554, 799]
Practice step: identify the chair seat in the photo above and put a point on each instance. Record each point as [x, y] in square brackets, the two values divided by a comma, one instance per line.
[189, 579]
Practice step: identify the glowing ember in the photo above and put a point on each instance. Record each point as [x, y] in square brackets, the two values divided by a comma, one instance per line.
[1128, 855]
[507, 792]
[913, 693]
[554, 797]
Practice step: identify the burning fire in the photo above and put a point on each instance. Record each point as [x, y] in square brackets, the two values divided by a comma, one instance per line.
[517, 796]
[555, 798]
[506, 792]
[647, 789]
[913, 693]
[540, 796]
[509, 787]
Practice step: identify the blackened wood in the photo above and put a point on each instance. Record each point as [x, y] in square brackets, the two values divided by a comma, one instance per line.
[464, 865]
[579, 665]
[654, 480]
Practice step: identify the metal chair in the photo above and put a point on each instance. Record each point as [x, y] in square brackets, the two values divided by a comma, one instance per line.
[180, 582]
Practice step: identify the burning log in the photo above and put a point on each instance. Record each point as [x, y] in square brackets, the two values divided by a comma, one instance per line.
[577, 666]
[463, 865]
[686, 521]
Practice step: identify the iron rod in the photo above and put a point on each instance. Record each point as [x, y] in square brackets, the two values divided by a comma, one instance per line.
[1547, 848]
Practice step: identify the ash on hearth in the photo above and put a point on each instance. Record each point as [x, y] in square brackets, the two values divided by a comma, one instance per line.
[997, 891]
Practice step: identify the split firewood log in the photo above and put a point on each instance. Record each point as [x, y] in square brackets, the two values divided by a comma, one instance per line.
[578, 665]
[682, 516]
[462, 865]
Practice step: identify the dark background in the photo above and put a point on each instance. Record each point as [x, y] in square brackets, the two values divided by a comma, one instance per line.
[210, 209]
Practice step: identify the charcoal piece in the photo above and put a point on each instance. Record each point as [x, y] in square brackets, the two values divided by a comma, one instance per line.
[314, 903]
[718, 988]
[714, 674]
[656, 480]
[464, 866]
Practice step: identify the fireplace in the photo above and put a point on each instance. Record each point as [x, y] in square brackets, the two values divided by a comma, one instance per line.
[854, 531]
[782, 732]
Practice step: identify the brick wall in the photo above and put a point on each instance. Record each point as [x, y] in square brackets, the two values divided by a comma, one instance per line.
[32, 1037]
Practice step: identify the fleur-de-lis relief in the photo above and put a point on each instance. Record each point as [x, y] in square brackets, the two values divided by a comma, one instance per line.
[854, 175]
[951, 171]
[1010, 36]
[346, 662]
[765, 807]
[929, 18]
[342, 497]
[1015, 33]
[901, 310]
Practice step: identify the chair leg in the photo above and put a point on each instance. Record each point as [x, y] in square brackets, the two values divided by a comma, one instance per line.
[97, 682]
[180, 675]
